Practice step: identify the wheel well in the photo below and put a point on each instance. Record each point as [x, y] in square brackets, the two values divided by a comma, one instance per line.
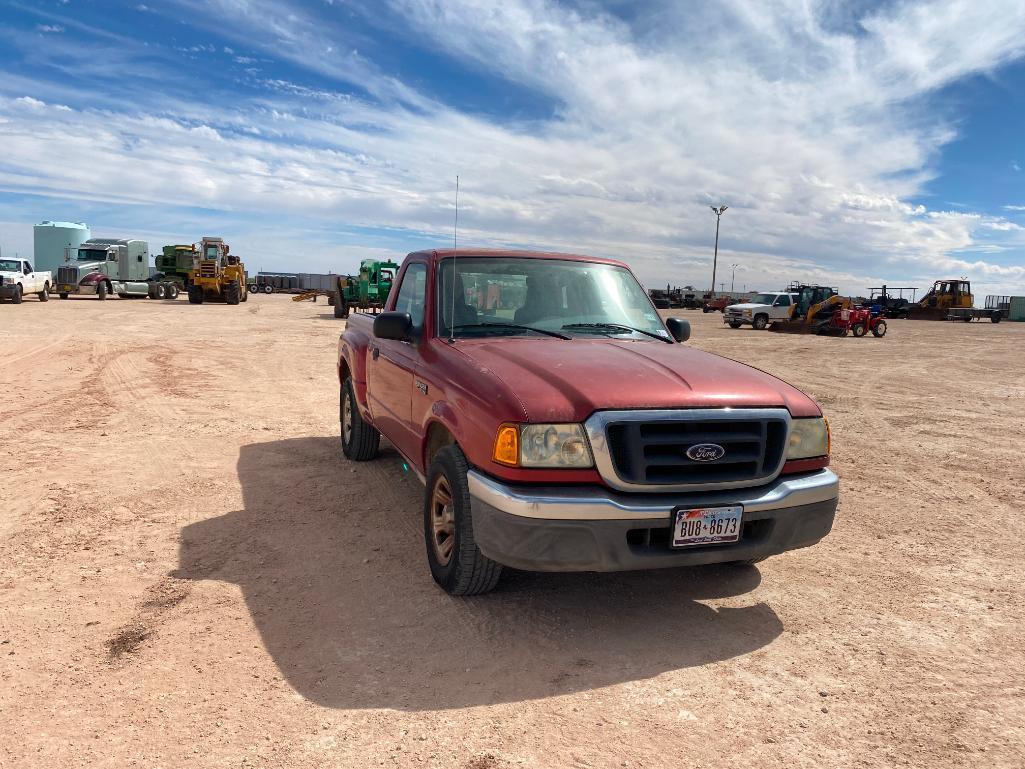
[438, 437]
[343, 371]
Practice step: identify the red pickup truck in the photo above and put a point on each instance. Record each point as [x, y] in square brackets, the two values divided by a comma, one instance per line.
[560, 425]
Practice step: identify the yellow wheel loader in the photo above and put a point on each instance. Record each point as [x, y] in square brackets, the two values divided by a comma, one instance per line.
[812, 311]
[218, 275]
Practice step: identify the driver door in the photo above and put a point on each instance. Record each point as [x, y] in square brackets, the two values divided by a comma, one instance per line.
[391, 364]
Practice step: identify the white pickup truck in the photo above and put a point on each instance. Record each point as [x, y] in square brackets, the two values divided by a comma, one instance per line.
[760, 311]
[17, 278]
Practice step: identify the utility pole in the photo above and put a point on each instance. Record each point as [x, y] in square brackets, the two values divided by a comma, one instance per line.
[715, 258]
[733, 278]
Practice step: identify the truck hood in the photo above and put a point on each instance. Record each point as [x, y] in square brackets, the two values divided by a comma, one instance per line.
[566, 381]
[748, 306]
[6, 275]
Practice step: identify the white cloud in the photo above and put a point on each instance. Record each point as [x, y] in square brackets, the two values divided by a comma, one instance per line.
[1014, 208]
[816, 138]
[52, 29]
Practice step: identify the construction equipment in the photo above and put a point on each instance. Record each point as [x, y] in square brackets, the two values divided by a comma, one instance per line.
[367, 291]
[891, 306]
[857, 321]
[218, 276]
[813, 310]
[952, 299]
[175, 264]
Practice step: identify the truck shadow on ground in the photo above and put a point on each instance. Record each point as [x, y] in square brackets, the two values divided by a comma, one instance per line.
[329, 556]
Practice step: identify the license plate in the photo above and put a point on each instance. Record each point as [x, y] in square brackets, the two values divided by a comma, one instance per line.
[707, 526]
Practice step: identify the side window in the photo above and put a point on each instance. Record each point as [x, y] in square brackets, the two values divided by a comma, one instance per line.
[413, 293]
[28, 268]
[783, 301]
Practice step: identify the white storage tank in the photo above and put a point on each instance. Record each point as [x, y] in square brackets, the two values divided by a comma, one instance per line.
[52, 239]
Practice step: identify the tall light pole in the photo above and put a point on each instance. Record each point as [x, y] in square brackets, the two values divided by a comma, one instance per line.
[715, 259]
[733, 277]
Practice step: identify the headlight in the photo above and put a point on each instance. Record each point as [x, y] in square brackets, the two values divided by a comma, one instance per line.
[563, 446]
[808, 438]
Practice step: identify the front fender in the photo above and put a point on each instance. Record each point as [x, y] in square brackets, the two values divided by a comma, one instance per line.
[92, 279]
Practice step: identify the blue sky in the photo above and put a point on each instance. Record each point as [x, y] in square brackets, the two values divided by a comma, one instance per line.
[855, 143]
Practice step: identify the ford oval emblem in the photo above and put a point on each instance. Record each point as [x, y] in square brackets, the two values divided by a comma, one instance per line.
[706, 452]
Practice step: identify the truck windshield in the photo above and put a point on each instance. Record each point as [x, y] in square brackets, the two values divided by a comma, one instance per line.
[762, 299]
[9, 265]
[91, 255]
[513, 296]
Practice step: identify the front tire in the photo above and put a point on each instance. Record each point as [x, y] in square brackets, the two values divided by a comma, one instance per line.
[44, 295]
[101, 292]
[195, 295]
[233, 294]
[457, 564]
[360, 441]
[16, 297]
[760, 322]
[735, 324]
[63, 295]
[995, 317]
[858, 329]
[880, 329]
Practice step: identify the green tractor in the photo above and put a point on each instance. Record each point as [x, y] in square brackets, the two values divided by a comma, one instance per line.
[367, 291]
[176, 263]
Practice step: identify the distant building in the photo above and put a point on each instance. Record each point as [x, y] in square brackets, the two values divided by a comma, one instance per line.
[53, 239]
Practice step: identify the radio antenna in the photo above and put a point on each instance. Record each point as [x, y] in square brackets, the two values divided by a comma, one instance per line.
[455, 253]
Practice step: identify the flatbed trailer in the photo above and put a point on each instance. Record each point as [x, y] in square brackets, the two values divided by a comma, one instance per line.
[968, 314]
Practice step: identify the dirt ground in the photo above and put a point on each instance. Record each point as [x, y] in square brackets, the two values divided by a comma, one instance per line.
[193, 575]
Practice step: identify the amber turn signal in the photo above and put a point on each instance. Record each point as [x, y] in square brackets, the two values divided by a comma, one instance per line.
[507, 446]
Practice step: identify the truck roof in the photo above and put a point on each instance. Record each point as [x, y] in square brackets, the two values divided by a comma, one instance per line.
[445, 253]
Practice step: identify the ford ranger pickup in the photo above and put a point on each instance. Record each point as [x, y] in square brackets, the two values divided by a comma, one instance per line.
[559, 424]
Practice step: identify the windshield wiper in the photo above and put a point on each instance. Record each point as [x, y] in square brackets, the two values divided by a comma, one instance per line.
[487, 324]
[616, 327]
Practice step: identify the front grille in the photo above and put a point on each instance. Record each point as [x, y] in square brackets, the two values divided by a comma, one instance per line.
[654, 452]
[208, 269]
[67, 276]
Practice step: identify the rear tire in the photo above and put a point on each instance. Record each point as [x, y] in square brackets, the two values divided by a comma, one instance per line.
[360, 441]
[880, 329]
[760, 322]
[245, 292]
[233, 294]
[268, 288]
[195, 295]
[63, 295]
[252, 288]
[159, 291]
[44, 295]
[457, 564]
[967, 319]
[858, 329]
[994, 318]
[172, 291]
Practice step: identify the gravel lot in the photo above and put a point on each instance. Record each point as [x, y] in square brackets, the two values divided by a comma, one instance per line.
[192, 575]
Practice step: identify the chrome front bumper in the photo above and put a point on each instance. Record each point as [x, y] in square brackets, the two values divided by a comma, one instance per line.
[587, 503]
[593, 529]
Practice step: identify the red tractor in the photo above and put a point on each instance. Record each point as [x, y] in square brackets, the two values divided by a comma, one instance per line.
[857, 321]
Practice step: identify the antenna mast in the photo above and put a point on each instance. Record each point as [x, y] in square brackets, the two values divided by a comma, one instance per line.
[455, 254]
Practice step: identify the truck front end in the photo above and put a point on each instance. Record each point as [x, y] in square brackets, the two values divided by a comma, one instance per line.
[87, 272]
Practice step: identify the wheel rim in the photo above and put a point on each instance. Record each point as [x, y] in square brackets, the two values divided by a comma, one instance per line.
[347, 419]
[443, 521]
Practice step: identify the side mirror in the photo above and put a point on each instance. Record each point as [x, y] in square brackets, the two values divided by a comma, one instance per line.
[679, 328]
[394, 325]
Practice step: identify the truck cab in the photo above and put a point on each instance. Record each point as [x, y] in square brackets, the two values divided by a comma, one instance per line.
[760, 310]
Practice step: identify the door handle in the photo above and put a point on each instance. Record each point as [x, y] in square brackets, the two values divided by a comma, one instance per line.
[375, 353]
